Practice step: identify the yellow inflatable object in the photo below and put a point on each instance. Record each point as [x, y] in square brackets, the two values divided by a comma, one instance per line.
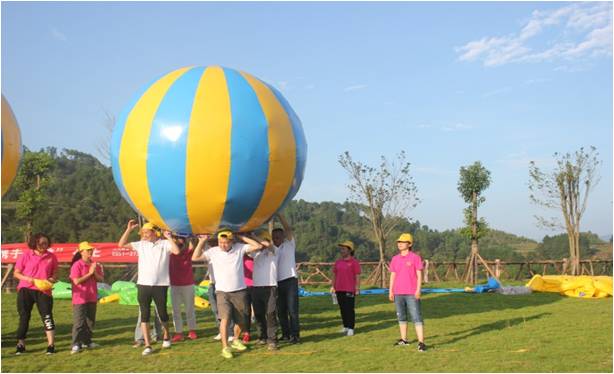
[199, 302]
[205, 283]
[109, 299]
[11, 146]
[575, 286]
[43, 284]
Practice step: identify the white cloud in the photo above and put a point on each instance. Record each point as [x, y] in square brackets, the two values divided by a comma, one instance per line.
[582, 29]
[457, 127]
[498, 91]
[355, 87]
[518, 160]
[58, 35]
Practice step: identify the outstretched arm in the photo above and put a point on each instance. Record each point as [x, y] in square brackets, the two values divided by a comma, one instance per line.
[123, 241]
[287, 229]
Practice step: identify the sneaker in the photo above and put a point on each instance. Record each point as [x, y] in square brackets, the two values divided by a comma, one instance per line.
[217, 337]
[230, 339]
[236, 344]
[20, 349]
[401, 342]
[75, 349]
[92, 345]
[50, 349]
[192, 335]
[137, 343]
[295, 340]
[343, 330]
[166, 343]
[177, 338]
[246, 338]
[147, 351]
[272, 347]
[421, 347]
[350, 332]
[226, 353]
[261, 341]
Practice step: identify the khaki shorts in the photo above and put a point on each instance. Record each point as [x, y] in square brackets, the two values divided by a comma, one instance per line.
[234, 305]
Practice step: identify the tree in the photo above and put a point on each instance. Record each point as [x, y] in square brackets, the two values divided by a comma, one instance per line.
[474, 179]
[32, 180]
[566, 188]
[387, 193]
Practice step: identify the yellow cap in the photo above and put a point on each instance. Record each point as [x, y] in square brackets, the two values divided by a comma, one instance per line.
[406, 237]
[43, 284]
[226, 233]
[264, 234]
[84, 246]
[347, 243]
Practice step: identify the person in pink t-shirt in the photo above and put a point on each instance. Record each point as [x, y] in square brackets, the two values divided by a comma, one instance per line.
[405, 289]
[182, 289]
[248, 276]
[346, 285]
[84, 275]
[36, 270]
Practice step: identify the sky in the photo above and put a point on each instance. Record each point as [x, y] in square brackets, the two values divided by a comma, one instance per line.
[448, 83]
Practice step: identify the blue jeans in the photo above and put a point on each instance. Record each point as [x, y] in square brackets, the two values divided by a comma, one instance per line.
[287, 306]
[407, 304]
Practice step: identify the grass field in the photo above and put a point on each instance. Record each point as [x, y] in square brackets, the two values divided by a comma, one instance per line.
[465, 333]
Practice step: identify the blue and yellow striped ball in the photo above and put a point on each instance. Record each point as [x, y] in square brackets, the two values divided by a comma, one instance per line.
[208, 147]
[11, 146]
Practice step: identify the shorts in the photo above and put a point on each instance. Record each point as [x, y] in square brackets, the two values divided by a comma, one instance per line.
[408, 304]
[234, 306]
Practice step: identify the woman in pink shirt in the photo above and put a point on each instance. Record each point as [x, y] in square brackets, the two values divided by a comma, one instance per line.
[346, 285]
[405, 289]
[182, 289]
[84, 275]
[36, 270]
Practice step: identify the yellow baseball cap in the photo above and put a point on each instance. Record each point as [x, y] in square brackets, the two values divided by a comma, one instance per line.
[406, 237]
[224, 233]
[347, 243]
[264, 234]
[85, 246]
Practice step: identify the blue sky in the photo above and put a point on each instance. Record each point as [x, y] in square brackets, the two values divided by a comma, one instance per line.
[449, 83]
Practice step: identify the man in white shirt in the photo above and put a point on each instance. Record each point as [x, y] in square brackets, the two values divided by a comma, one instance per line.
[264, 296]
[287, 281]
[153, 275]
[230, 288]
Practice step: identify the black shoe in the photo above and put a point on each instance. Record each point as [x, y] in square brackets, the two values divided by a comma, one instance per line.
[20, 349]
[295, 340]
[50, 349]
[421, 347]
[401, 342]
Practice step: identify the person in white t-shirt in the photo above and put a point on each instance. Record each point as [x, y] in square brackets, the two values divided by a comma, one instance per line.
[230, 289]
[287, 281]
[153, 276]
[264, 297]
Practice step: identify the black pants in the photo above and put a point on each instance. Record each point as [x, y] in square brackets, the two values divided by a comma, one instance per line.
[83, 320]
[156, 293]
[26, 298]
[264, 300]
[287, 306]
[346, 306]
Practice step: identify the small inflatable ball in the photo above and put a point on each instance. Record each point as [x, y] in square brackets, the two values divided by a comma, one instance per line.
[11, 146]
[208, 147]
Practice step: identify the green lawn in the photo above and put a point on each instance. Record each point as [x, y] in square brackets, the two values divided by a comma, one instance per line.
[465, 333]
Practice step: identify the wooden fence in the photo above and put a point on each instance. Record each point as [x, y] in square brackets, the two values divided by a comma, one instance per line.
[320, 273]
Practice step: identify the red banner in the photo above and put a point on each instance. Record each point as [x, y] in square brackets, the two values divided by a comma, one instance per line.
[104, 252]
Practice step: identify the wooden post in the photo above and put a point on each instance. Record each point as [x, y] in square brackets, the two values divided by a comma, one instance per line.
[497, 268]
[565, 264]
[9, 269]
[426, 271]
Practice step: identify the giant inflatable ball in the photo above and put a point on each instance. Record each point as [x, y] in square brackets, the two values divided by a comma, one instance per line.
[11, 146]
[203, 148]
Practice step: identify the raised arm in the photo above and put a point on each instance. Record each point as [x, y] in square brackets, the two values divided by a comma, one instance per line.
[174, 248]
[253, 244]
[198, 254]
[123, 241]
[287, 229]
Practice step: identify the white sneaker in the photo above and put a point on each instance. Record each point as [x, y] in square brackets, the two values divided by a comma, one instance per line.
[231, 339]
[217, 337]
[92, 345]
[147, 351]
[343, 330]
[166, 344]
[75, 349]
[350, 332]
